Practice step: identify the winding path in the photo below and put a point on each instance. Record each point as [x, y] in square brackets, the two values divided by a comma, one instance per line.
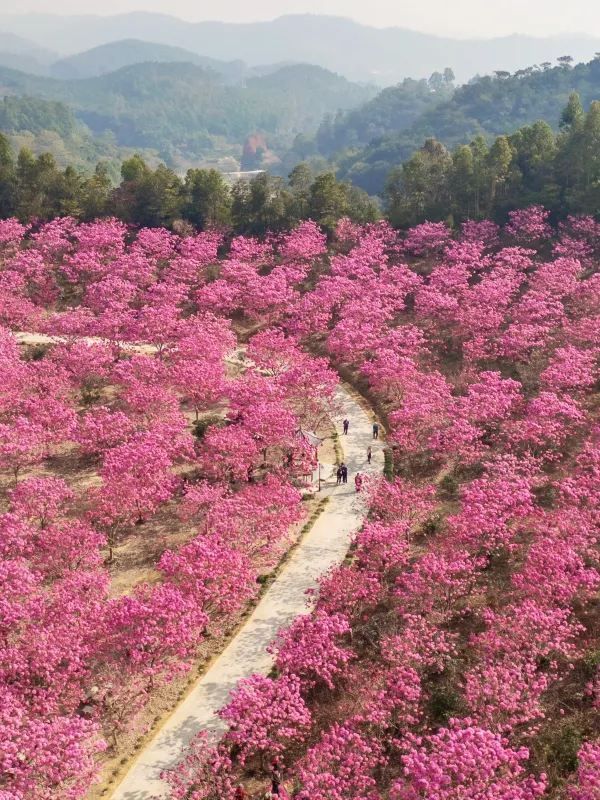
[324, 546]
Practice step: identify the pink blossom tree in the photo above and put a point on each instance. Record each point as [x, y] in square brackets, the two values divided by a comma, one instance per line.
[466, 761]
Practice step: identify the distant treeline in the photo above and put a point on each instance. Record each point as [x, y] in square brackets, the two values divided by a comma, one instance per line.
[480, 180]
[35, 188]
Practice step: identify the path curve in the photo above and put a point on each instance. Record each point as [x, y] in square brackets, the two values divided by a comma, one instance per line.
[323, 547]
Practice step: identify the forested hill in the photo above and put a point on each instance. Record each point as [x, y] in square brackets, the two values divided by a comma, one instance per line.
[186, 111]
[393, 109]
[115, 55]
[49, 126]
[35, 115]
[488, 106]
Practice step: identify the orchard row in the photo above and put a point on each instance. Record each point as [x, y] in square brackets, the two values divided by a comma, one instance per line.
[455, 654]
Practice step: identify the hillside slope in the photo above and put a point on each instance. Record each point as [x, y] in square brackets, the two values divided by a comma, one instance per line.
[490, 106]
[393, 109]
[181, 108]
[48, 126]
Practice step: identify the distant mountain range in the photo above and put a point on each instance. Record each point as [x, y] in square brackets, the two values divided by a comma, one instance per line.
[359, 52]
[113, 56]
[23, 55]
[11, 43]
[19, 53]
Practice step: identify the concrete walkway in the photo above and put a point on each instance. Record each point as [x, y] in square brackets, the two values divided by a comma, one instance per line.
[324, 546]
[30, 338]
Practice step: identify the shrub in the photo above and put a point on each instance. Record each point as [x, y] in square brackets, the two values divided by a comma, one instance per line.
[448, 488]
[200, 426]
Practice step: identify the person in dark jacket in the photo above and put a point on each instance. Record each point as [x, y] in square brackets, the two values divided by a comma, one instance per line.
[276, 769]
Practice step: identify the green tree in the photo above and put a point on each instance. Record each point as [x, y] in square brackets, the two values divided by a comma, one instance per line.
[146, 197]
[96, 193]
[8, 179]
[361, 207]
[570, 160]
[464, 190]
[328, 201]
[68, 193]
[207, 201]
[419, 189]
[587, 197]
[499, 163]
[573, 114]
[565, 61]
[299, 181]
[535, 150]
[449, 76]
[134, 169]
[35, 184]
[261, 205]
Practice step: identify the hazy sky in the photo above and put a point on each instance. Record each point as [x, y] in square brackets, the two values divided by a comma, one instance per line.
[460, 18]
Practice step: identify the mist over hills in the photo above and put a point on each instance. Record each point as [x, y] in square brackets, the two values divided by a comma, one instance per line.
[359, 52]
[113, 56]
[18, 45]
[17, 52]
[26, 56]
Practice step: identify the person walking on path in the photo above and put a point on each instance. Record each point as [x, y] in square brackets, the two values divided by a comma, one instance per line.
[346, 424]
[344, 469]
[338, 475]
[376, 430]
[369, 455]
[358, 482]
[276, 769]
[280, 794]
[240, 793]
